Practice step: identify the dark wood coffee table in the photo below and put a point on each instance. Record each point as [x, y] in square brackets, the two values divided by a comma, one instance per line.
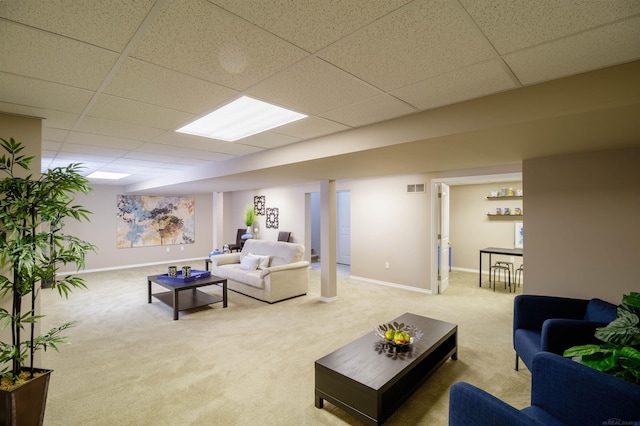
[180, 299]
[366, 382]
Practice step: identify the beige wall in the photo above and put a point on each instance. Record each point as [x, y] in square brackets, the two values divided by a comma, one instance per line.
[471, 229]
[582, 224]
[101, 231]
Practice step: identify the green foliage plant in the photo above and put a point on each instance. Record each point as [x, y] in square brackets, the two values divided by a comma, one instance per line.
[33, 246]
[249, 216]
[619, 355]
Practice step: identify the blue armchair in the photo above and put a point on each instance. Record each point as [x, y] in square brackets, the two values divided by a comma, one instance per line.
[553, 324]
[563, 392]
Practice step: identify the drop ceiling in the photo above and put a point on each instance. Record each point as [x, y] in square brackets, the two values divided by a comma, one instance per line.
[379, 79]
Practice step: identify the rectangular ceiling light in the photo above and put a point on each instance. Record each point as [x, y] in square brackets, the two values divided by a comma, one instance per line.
[107, 175]
[241, 118]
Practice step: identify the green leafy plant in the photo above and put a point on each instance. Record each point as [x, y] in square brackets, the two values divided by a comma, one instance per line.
[249, 216]
[33, 246]
[619, 354]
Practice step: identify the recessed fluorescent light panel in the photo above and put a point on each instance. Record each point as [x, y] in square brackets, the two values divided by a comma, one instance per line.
[241, 118]
[107, 175]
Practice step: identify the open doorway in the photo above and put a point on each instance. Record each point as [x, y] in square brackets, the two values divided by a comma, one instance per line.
[463, 246]
[343, 229]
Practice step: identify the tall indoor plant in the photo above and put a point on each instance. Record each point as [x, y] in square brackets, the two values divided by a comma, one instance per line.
[33, 246]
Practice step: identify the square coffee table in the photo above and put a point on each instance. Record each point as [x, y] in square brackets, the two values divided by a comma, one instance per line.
[180, 299]
[363, 380]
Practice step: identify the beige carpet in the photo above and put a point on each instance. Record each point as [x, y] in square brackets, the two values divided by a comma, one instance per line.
[129, 363]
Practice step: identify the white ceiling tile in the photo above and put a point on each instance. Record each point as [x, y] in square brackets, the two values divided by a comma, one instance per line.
[117, 129]
[463, 84]
[49, 57]
[205, 41]
[140, 81]
[424, 39]
[311, 25]
[53, 135]
[511, 25]
[104, 153]
[99, 140]
[611, 44]
[105, 23]
[152, 153]
[43, 94]
[174, 152]
[311, 127]
[205, 144]
[118, 109]
[372, 110]
[313, 86]
[267, 140]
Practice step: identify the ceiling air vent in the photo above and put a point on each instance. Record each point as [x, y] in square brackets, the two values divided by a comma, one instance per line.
[415, 188]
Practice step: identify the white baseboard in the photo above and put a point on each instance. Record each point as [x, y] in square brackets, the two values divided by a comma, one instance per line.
[389, 284]
[139, 265]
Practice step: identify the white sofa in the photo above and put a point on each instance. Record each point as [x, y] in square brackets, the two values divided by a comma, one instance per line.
[279, 274]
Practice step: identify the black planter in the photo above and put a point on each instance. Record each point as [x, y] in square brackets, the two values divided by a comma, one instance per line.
[24, 405]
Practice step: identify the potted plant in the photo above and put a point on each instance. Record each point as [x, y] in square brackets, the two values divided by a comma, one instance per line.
[619, 354]
[249, 219]
[33, 246]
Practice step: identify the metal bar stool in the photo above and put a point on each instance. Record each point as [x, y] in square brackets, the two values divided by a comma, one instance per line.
[518, 276]
[501, 267]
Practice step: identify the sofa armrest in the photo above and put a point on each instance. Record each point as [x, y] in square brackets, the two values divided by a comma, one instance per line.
[580, 395]
[286, 267]
[225, 259]
[560, 334]
[530, 311]
[471, 406]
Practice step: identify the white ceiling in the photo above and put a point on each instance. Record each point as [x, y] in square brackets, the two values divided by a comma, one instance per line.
[115, 79]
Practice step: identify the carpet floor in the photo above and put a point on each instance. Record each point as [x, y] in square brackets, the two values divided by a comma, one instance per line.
[252, 363]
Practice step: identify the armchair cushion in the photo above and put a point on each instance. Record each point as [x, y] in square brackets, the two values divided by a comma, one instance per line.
[553, 324]
[563, 392]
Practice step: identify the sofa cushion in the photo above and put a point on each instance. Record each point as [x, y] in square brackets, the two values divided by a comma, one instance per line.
[600, 311]
[250, 263]
[281, 253]
[252, 278]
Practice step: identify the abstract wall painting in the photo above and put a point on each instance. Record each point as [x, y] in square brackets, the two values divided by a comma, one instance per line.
[258, 205]
[519, 235]
[272, 219]
[144, 221]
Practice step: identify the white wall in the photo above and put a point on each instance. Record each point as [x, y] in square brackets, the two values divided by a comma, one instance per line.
[101, 231]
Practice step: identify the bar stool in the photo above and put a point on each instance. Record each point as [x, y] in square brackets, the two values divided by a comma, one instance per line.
[518, 276]
[501, 267]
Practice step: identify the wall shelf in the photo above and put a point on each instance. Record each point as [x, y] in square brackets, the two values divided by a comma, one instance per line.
[511, 216]
[513, 197]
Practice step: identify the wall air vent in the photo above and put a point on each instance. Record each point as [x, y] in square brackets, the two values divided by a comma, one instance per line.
[416, 188]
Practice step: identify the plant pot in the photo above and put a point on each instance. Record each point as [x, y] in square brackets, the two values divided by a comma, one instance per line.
[24, 405]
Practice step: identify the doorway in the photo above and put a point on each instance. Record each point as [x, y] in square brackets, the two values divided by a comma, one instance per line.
[343, 229]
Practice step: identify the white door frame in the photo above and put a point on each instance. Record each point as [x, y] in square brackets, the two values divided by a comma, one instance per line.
[435, 207]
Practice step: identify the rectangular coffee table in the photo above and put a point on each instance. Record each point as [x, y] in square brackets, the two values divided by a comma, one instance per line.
[361, 379]
[180, 299]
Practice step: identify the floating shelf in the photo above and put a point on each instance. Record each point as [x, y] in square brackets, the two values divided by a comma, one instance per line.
[513, 197]
[505, 215]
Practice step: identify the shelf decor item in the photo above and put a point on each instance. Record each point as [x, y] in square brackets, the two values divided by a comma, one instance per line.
[33, 246]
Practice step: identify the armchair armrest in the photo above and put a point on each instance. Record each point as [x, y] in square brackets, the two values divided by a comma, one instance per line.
[580, 395]
[530, 311]
[560, 334]
[471, 406]
[225, 259]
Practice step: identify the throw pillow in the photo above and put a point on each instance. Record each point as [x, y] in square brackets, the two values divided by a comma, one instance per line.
[264, 260]
[250, 263]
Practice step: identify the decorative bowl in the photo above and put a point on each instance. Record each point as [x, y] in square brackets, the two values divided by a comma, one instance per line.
[410, 331]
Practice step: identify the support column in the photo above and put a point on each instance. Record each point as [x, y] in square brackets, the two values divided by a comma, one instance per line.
[328, 229]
